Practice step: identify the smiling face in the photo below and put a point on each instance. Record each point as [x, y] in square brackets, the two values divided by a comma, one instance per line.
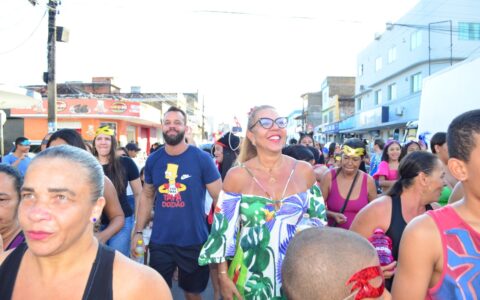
[56, 211]
[394, 151]
[103, 144]
[272, 139]
[173, 128]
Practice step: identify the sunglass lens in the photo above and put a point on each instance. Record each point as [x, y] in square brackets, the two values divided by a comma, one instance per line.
[266, 123]
[281, 122]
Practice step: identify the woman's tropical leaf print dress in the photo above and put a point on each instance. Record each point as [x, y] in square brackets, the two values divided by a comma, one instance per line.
[248, 231]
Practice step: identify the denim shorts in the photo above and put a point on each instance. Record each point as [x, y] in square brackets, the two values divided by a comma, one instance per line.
[121, 240]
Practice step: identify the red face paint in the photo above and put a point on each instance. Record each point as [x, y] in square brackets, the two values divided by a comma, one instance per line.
[361, 283]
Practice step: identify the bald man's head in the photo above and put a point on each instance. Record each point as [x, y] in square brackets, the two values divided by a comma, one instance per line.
[319, 262]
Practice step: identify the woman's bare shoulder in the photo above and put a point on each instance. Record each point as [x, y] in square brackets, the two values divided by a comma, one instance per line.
[129, 286]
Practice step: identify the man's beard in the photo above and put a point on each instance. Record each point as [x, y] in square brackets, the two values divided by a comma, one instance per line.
[173, 140]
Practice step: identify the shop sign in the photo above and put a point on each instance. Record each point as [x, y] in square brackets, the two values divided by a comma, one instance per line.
[84, 107]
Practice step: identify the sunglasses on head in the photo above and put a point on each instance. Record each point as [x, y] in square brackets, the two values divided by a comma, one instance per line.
[267, 123]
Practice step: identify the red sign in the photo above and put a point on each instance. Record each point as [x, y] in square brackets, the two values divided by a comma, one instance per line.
[85, 107]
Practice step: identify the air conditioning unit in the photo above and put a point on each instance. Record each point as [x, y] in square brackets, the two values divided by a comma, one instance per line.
[389, 26]
[399, 110]
[377, 36]
[362, 87]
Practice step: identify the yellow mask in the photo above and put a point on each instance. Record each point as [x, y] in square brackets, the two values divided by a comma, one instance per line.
[104, 130]
[353, 152]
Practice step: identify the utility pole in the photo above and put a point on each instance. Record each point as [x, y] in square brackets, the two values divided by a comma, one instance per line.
[51, 84]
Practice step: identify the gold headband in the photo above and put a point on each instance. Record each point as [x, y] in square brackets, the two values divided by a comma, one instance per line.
[104, 130]
[353, 152]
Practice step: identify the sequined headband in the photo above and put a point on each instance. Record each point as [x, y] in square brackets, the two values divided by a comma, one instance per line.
[104, 130]
[353, 152]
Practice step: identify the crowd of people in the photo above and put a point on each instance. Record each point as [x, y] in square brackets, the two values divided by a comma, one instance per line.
[257, 218]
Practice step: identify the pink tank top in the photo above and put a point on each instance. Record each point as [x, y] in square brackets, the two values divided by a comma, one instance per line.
[461, 257]
[335, 200]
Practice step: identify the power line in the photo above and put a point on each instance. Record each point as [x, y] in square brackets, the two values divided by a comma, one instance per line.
[29, 36]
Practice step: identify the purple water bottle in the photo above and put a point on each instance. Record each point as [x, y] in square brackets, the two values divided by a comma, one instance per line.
[383, 245]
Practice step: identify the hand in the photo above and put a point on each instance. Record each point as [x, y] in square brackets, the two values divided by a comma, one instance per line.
[339, 218]
[135, 238]
[102, 239]
[389, 270]
[227, 287]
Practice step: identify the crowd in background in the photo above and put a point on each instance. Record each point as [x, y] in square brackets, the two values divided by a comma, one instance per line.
[230, 213]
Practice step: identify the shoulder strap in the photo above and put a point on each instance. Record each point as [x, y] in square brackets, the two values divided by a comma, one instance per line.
[9, 270]
[289, 178]
[349, 193]
[256, 180]
[99, 284]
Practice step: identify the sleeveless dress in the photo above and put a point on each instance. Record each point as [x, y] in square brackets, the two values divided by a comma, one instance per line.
[461, 257]
[249, 231]
[335, 201]
[99, 284]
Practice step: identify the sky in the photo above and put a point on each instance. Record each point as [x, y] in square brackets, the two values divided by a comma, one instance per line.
[236, 54]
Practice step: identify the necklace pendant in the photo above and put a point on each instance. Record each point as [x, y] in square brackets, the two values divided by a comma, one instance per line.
[272, 180]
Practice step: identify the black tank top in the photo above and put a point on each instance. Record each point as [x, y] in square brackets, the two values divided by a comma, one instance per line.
[396, 228]
[99, 284]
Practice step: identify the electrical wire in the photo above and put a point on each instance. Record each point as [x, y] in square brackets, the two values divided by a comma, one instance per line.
[29, 36]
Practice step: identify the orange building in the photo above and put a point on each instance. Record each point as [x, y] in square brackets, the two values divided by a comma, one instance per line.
[131, 120]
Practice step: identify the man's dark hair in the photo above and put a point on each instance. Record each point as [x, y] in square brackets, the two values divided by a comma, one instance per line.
[176, 109]
[380, 143]
[438, 139]
[299, 152]
[20, 140]
[461, 135]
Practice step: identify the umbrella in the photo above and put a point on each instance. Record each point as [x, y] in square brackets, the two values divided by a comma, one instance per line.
[16, 97]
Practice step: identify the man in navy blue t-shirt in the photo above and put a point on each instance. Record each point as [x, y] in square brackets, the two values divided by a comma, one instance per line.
[178, 176]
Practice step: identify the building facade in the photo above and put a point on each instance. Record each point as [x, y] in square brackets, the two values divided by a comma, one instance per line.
[432, 36]
[337, 105]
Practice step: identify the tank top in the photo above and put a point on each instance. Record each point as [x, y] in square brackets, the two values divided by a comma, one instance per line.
[461, 257]
[335, 200]
[99, 284]
[396, 228]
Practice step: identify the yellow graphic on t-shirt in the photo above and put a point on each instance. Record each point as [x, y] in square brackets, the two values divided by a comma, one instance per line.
[171, 190]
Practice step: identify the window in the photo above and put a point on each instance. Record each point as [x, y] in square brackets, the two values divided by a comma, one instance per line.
[378, 97]
[416, 82]
[378, 63]
[468, 31]
[415, 40]
[360, 70]
[330, 116]
[392, 54]
[359, 104]
[392, 91]
[325, 119]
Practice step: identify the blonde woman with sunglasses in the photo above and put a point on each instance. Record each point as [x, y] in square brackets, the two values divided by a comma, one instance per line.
[262, 201]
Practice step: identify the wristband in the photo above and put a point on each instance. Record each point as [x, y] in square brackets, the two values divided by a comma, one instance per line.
[222, 272]
[139, 232]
